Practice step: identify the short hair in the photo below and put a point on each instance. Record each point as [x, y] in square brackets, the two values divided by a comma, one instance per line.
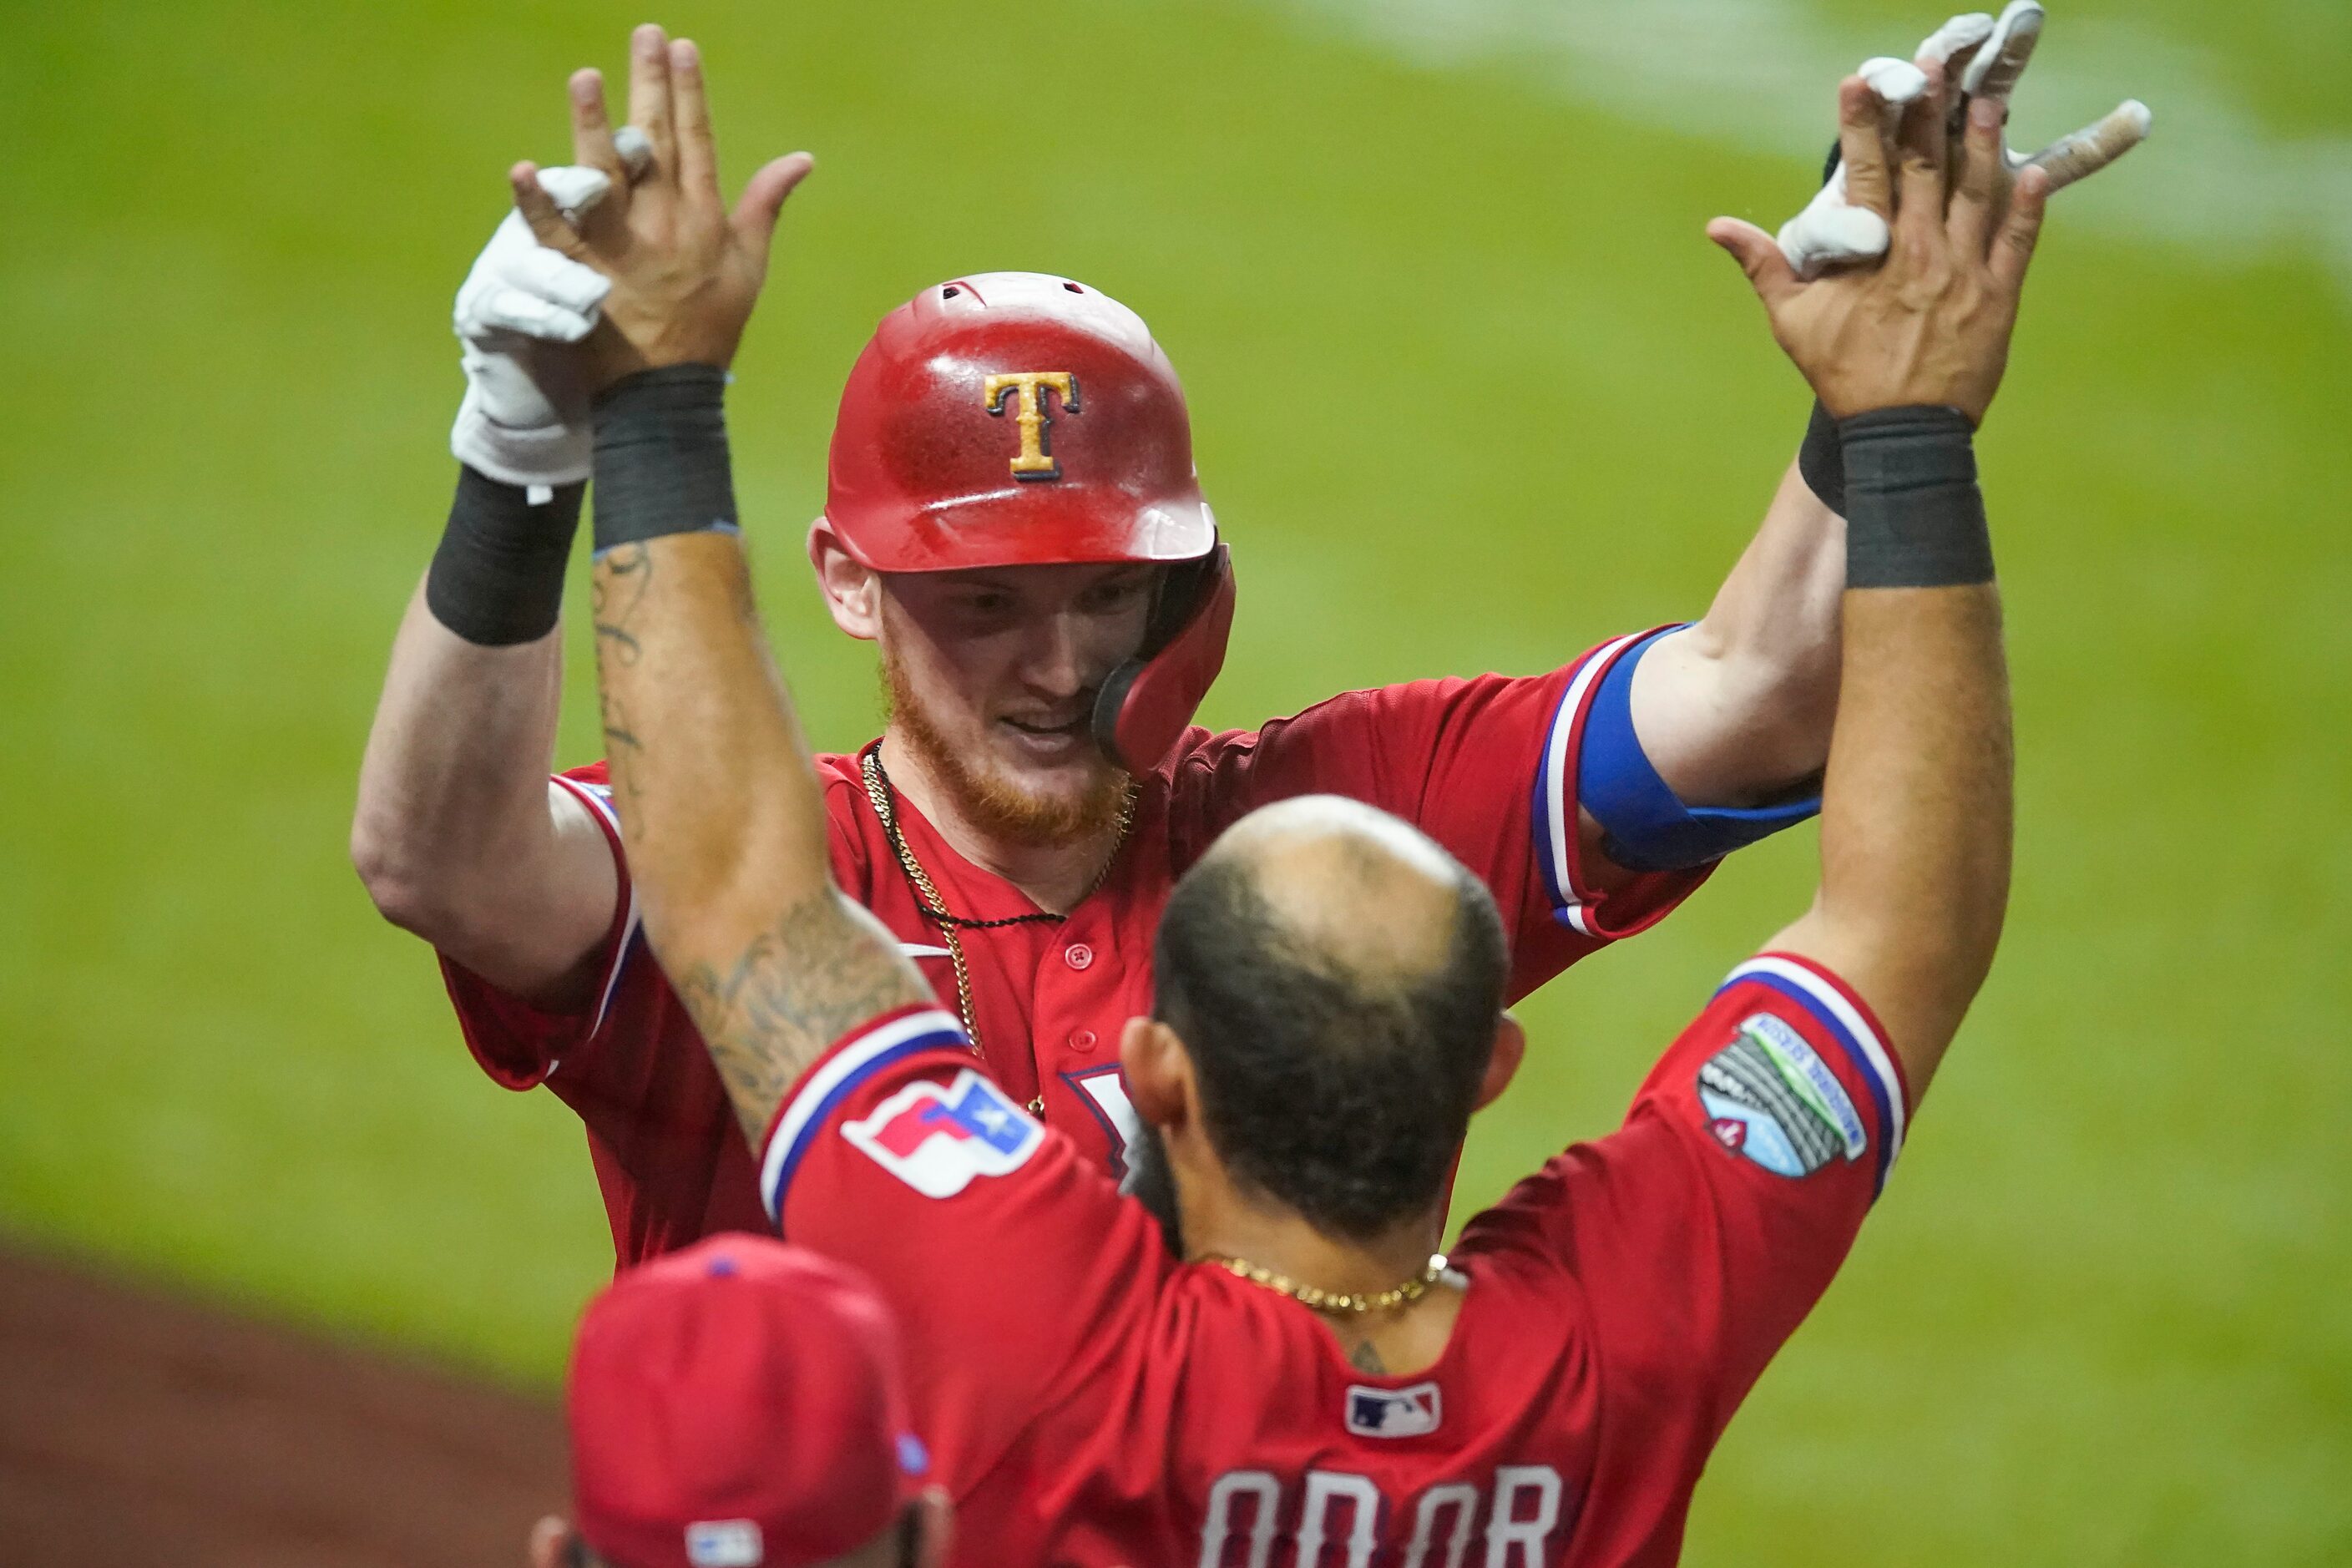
[1341, 1090]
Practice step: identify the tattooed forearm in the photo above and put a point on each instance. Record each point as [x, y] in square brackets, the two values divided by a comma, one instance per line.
[701, 736]
[824, 968]
[619, 590]
[617, 593]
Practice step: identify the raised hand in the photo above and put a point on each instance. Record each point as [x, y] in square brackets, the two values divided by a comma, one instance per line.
[685, 271]
[1931, 324]
[1977, 57]
[519, 313]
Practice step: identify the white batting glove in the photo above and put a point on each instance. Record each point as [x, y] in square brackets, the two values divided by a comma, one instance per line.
[1828, 231]
[524, 420]
[1981, 57]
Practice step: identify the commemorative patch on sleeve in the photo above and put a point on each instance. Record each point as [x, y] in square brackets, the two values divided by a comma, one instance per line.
[1768, 1097]
[937, 1136]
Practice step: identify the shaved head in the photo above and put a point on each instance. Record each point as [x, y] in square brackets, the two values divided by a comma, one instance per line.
[1369, 894]
[1337, 979]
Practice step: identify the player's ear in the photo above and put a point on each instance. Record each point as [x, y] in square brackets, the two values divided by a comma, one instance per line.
[934, 1527]
[849, 585]
[1152, 1060]
[1510, 1048]
[549, 1539]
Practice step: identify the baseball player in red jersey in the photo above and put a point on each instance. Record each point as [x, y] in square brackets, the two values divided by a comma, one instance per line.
[742, 1403]
[1013, 515]
[1303, 1383]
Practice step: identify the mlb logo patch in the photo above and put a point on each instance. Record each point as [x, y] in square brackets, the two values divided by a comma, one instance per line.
[725, 1544]
[1392, 1412]
[937, 1136]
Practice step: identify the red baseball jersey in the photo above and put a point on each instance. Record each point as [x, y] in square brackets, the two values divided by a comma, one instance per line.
[1090, 1401]
[1486, 766]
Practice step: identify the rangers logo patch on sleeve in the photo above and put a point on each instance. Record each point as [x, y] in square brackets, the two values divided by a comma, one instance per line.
[1771, 1097]
[937, 1136]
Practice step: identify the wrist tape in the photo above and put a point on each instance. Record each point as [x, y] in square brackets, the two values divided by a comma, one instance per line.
[1915, 518]
[661, 460]
[1821, 461]
[498, 577]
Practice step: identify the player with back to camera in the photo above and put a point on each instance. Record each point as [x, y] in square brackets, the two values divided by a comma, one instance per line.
[742, 1403]
[1013, 517]
[1307, 1383]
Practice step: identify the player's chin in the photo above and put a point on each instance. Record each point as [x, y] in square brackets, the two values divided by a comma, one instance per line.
[1062, 788]
[1042, 802]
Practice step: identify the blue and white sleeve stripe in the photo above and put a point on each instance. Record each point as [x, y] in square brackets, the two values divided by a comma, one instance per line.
[1854, 1033]
[803, 1116]
[1555, 794]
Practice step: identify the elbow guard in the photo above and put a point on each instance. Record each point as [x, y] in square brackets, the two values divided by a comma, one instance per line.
[1644, 825]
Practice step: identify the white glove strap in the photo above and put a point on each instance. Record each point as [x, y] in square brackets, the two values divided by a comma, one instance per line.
[524, 420]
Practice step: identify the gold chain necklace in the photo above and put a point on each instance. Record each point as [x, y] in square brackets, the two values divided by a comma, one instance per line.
[927, 893]
[1348, 1304]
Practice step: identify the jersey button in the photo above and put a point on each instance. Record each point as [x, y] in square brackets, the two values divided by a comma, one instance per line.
[1077, 955]
[1081, 1039]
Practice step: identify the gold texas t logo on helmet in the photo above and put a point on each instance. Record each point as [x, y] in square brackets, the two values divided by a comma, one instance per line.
[1036, 458]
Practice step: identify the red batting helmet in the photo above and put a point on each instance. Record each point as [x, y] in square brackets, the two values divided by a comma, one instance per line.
[1019, 419]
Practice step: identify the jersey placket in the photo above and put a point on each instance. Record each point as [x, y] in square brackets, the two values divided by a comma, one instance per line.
[1077, 969]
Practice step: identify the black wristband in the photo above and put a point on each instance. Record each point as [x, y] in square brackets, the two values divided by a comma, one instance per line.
[498, 577]
[1915, 518]
[661, 456]
[1821, 460]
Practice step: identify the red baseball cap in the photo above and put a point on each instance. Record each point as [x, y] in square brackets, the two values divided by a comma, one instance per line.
[738, 1405]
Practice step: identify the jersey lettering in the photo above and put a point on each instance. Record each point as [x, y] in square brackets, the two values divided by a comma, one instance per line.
[1524, 1517]
[1324, 1489]
[1264, 1492]
[1463, 1499]
[1106, 1092]
[1513, 1541]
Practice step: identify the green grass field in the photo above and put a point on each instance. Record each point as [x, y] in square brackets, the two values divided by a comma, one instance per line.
[1471, 393]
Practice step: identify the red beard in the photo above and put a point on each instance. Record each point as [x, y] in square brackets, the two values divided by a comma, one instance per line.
[986, 799]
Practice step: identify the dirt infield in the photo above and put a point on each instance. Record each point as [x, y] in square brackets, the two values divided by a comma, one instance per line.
[136, 1429]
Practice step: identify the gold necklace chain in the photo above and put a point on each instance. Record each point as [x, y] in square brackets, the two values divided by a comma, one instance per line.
[927, 892]
[1349, 1303]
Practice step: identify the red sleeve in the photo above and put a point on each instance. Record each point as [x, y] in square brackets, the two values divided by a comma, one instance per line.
[518, 1044]
[1486, 766]
[1701, 1233]
[1013, 1265]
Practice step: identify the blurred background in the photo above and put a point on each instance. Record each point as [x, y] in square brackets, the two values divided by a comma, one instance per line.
[1470, 392]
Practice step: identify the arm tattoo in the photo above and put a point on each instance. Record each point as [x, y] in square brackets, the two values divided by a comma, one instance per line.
[823, 969]
[770, 992]
[614, 610]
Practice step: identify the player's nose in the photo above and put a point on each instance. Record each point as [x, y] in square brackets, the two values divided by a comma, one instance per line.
[1058, 660]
